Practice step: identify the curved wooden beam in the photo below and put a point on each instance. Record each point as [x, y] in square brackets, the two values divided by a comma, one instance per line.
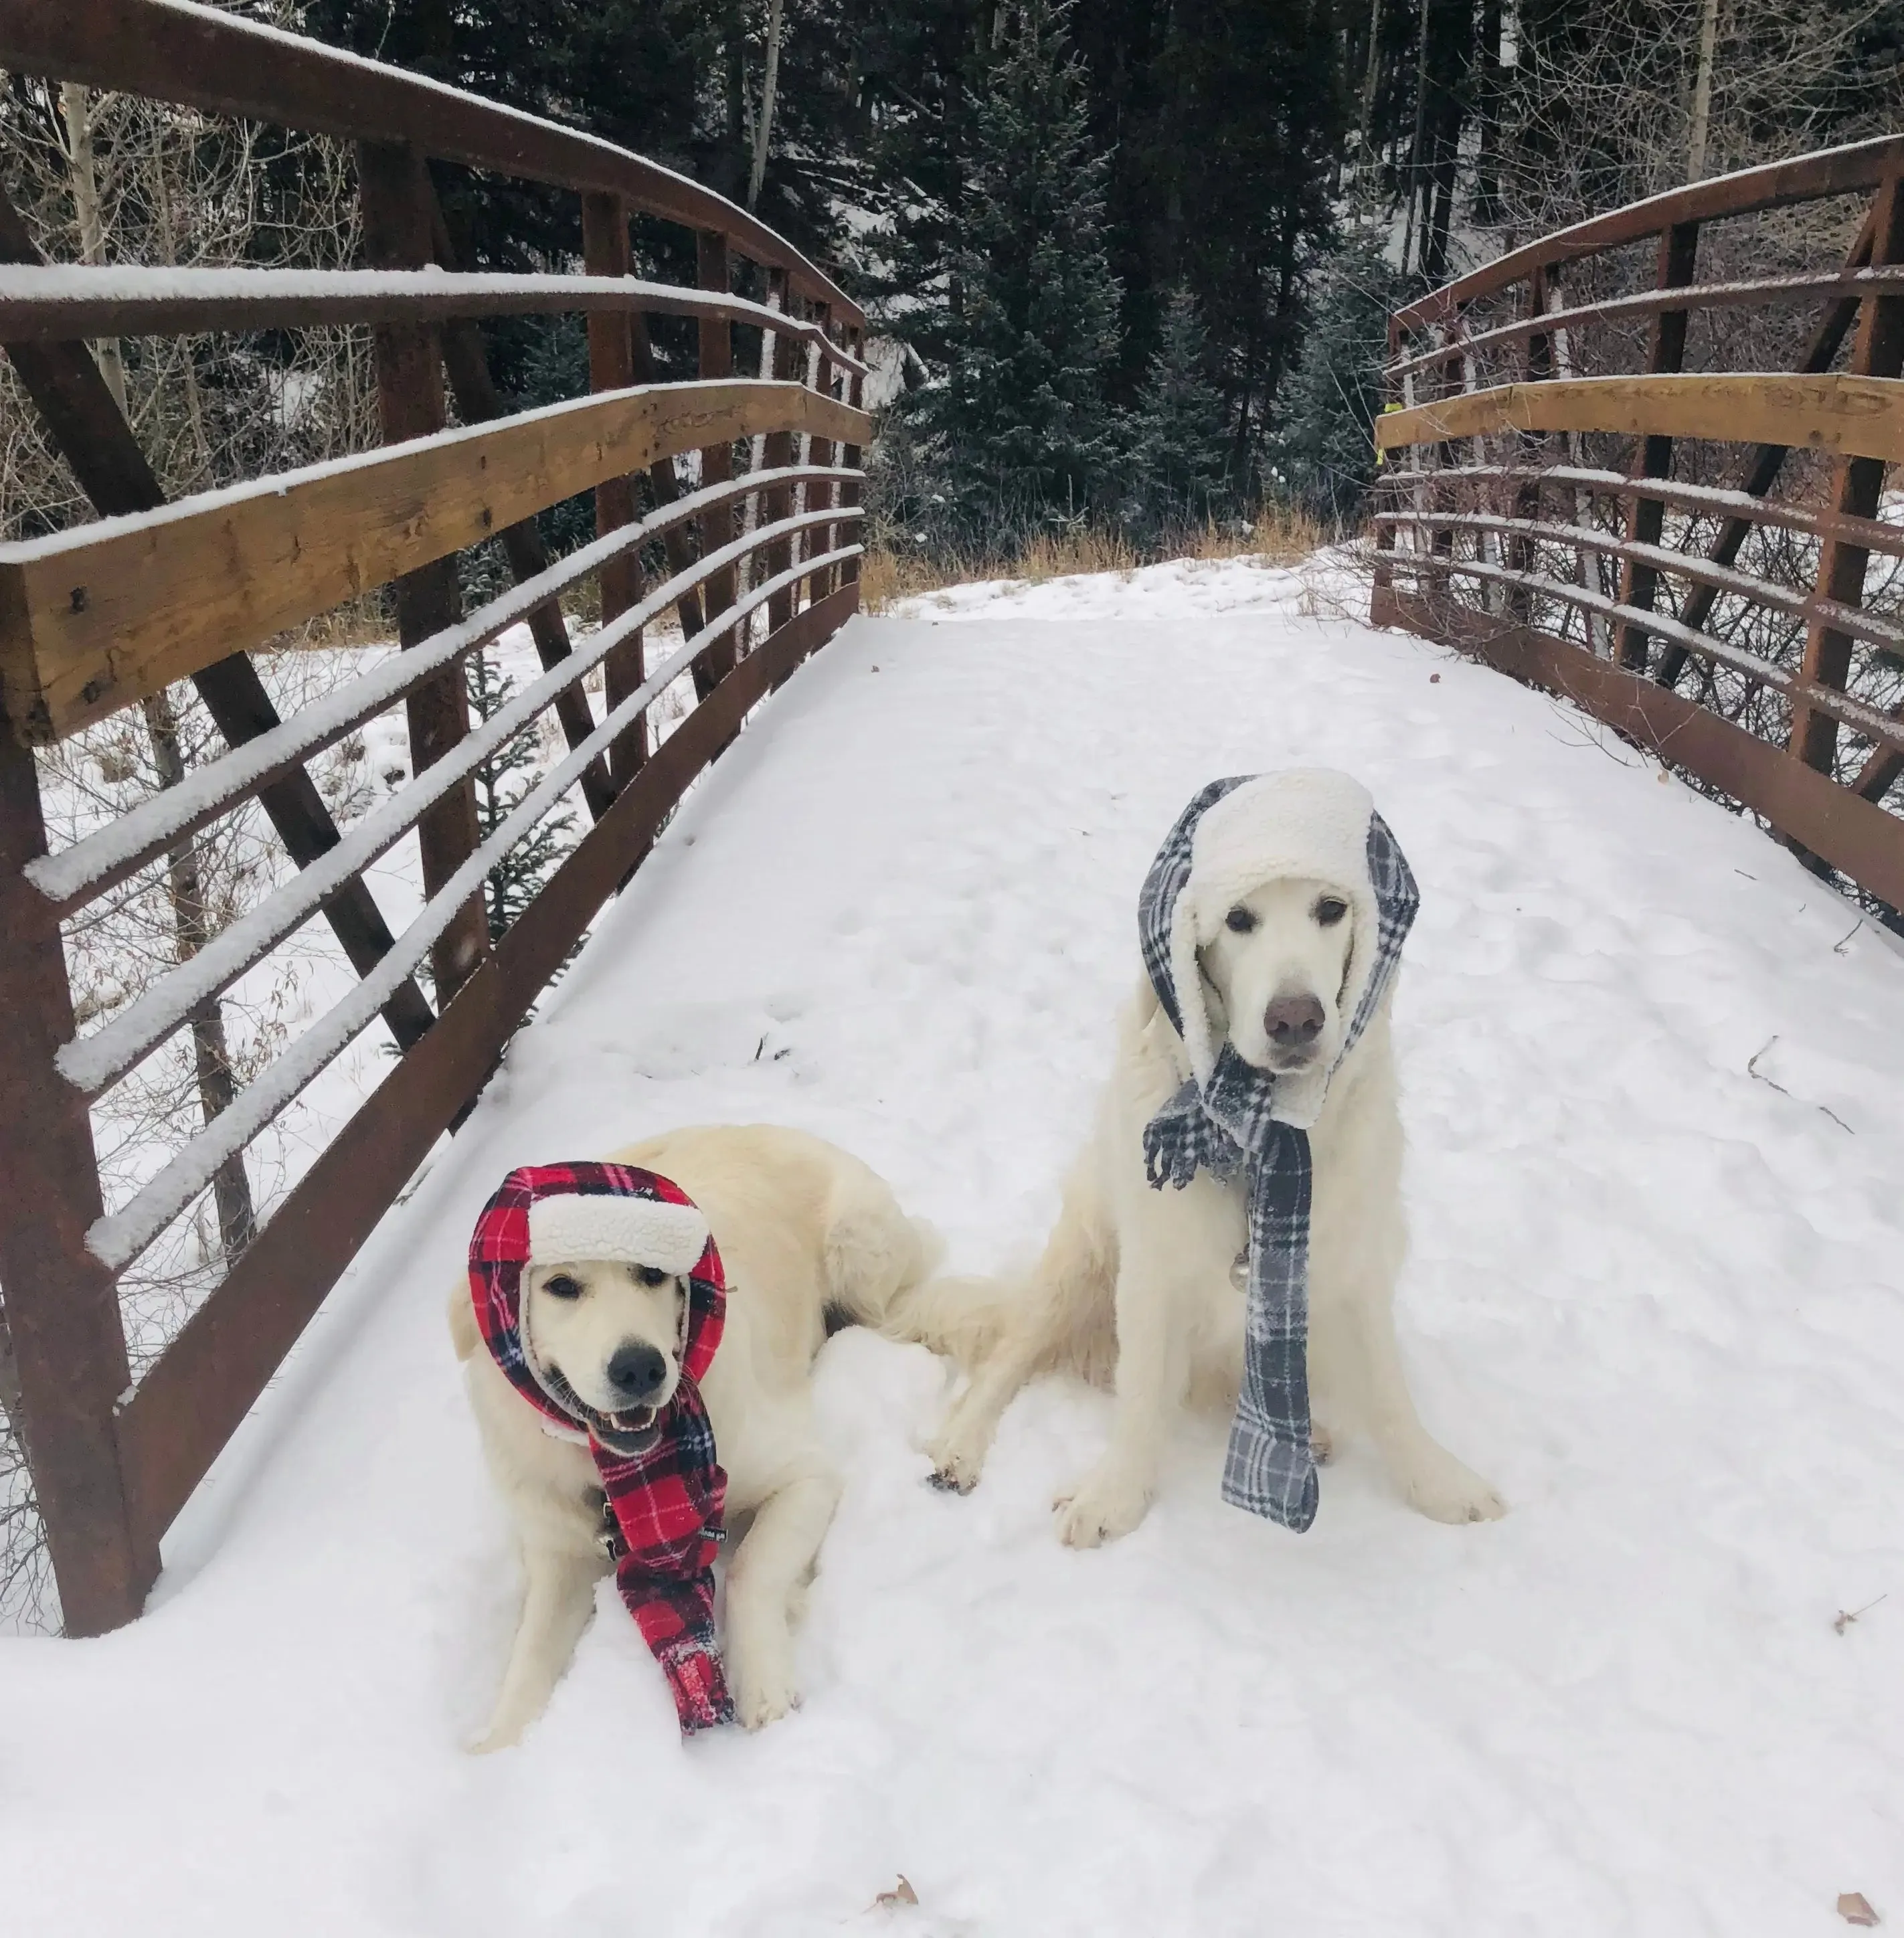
[94, 618]
[1858, 166]
[199, 57]
[1854, 417]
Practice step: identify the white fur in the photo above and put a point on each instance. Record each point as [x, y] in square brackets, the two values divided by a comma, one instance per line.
[632, 1231]
[803, 1230]
[1139, 1286]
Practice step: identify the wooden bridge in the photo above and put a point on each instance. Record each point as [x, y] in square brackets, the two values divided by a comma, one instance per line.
[1591, 527]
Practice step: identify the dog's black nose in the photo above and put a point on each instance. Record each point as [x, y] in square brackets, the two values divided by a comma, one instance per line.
[636, 1371]
[1293, 1023]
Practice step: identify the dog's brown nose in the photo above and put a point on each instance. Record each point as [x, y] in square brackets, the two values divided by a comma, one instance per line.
[1293, 1023]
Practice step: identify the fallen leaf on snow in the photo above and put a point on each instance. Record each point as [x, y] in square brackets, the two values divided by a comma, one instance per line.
[1855, 1907]
[903, 1892]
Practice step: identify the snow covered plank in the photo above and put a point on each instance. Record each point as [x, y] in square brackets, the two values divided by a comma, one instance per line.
[201, 57]
[61, 303]
[1858, 166]
[1872, 533]
[1849, 284]
[1854, 417]
[94, 619]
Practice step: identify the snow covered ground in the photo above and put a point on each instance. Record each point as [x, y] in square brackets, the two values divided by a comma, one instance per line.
[1651, 1073]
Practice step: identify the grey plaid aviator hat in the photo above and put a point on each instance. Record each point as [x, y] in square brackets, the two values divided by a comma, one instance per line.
[1230, 1118]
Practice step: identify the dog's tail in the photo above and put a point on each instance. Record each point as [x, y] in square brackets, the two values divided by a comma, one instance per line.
[1060, 1314]
[960, 1315]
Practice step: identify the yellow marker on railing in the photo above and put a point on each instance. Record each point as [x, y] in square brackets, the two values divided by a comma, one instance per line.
[1381, 456]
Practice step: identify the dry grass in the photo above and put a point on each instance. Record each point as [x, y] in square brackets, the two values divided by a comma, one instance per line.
[1280, 535]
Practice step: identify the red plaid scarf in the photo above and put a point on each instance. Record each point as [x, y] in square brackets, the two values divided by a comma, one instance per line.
[666, 1502]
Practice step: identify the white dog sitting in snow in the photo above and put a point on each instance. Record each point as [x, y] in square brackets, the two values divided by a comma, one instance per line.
[618, 1371]
[1265, 910]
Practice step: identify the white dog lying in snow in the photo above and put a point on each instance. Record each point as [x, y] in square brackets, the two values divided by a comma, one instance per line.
[1276, 926]
[804, 1231]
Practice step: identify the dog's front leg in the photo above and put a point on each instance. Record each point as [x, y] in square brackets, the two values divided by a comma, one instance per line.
[1153, 1375]
[560, 1597]
[1434, 1482]
[766, 1569]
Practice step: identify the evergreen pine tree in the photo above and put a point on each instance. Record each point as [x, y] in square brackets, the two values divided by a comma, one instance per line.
[1019, 431]
[1177, 437]
[1323, 451]
[502, 782]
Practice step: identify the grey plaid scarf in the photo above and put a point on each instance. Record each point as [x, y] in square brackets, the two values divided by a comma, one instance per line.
[1230, 1125]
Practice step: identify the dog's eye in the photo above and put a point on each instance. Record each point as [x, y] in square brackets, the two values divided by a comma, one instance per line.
[1240, 919]
[1330, 911]
[563, 1287]
[649, 1276]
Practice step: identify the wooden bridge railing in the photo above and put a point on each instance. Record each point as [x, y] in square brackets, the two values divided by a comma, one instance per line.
[108, 615]
[1642, 462]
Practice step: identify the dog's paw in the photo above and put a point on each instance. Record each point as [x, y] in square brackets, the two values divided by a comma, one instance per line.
[492, 1740]
[763, 1693]
[956, 1467]
[1322, 1444]
[1100, 1509]
[1444, 1490]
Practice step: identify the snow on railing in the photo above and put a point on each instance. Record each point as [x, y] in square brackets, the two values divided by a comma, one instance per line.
[115, 1240]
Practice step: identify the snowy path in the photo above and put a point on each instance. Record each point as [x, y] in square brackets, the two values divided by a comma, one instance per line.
[1660, 1303]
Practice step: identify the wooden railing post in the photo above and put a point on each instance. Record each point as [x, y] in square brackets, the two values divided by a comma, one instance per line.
[1857, 487]
[1527, 497]
[717, 461]
[850, 456]
[398, 204]
[606, 252]
[67, 1367]
[820, 494]
[778, 455]
[1678, 253]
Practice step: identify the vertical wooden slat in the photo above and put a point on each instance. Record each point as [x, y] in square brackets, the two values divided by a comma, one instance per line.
[820, 494]
[612, 367]
[850, 456]
[1527, 497]
[67, 1346]
[1857, 489]
[465, 359]
[779, 453]
[1678, 254]
[397, 205]
[717, 461]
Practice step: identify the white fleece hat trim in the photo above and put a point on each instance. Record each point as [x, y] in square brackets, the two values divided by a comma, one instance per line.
[572, 1227]
[1303, 823]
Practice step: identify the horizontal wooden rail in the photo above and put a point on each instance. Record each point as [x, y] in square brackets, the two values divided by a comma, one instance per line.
[120, 1236]
[1841, 285]
[1852, 417]
[62, 302]
[77, 874]
[1710, 500]
[93, 619]
[1872, 627]
[106, 1054]
[199, 57]
[189, 1405]
[1886, 731]
[1859, 165]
